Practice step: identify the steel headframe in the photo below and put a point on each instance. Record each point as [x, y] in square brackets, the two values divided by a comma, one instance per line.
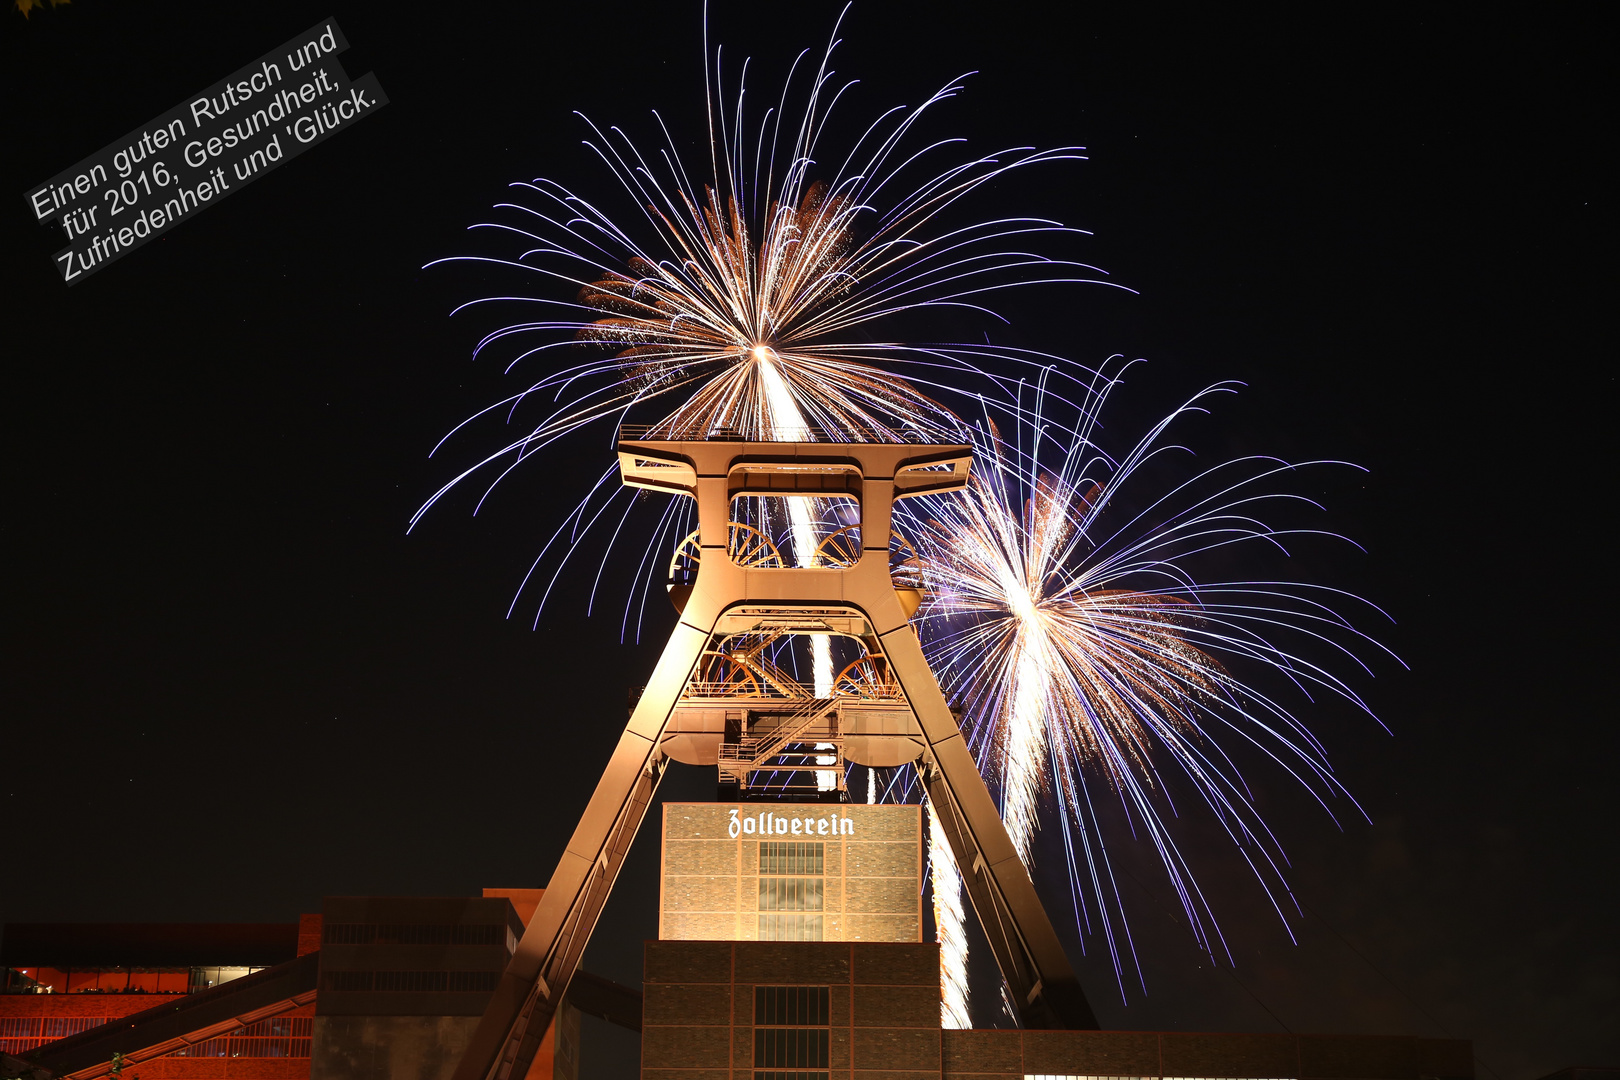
[728, 598]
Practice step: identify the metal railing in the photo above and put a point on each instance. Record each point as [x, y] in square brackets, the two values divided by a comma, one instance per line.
[278, 1037]
[19, 1034]
[754, 751]
[733, 691]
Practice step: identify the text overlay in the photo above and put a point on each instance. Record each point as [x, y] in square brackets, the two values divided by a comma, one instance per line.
[202, 150]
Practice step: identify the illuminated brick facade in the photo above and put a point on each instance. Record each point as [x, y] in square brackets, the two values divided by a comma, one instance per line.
[791, 872]
[870, 1011]
[709, 1010]
[790, 949]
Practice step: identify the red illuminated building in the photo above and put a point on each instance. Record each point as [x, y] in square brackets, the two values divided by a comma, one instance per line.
[372, 986]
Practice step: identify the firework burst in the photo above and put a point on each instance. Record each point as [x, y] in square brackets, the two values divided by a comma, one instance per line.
[1091, 660]
[746, 305]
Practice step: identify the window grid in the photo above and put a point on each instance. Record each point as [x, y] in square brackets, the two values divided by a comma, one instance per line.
[791, 857]
[790, 881]
[790, 1006]
[790, 893]
[790, 1032]
[119, 979]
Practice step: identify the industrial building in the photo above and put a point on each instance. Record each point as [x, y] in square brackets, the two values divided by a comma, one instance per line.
[750, 1010]
[799, 957]
[370, 987]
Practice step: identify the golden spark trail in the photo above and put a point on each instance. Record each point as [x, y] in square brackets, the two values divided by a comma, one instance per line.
[1025, 765]
[950, 927]
[786, 421]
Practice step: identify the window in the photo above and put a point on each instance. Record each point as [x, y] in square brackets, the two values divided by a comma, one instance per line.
[790, 1033]
[204, 977]
[791, 857]
[119, 980]
[790, 886]
[790, 894]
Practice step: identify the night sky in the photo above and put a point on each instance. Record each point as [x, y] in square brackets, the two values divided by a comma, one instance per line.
[232, 684]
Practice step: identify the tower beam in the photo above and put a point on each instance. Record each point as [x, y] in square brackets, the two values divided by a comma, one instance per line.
[727, 598]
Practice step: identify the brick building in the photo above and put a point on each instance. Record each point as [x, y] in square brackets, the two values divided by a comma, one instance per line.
[791, 949]
[827, 873]
[748, 1010]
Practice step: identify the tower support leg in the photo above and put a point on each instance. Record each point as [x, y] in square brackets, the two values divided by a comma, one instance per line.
[538, 975]
[1026, 947]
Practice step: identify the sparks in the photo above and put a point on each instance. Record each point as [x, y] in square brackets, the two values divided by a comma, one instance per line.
[1090, 657]
[950, 927]
[745, 306]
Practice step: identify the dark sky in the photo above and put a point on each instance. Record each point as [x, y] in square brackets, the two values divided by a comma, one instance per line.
[232, 684]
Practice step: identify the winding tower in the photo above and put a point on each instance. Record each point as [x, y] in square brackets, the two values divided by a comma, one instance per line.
[717, 699]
